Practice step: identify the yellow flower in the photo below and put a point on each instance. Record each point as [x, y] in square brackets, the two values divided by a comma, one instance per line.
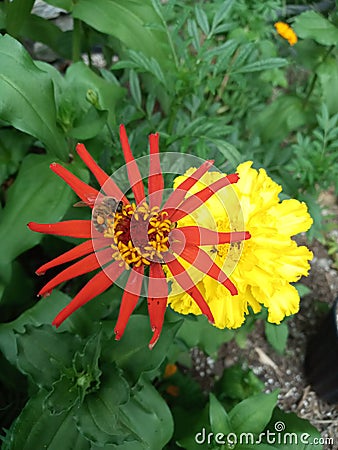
[262, 267]
[284, 30]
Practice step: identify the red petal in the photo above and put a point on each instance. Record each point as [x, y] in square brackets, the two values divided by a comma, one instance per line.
[184, 280]
[98, 284]
[129, 300]
[110, 187]
[86, 265]
[134, 175]
[85, 192]
[155, 180]
[76, 252]
[93, 288]
[196, 200]
[157, 300]
[202, 261]
[204, 236]
[178, 195]
[72, 228]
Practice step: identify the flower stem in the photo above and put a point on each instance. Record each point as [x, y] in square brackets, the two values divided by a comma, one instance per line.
[315, 76]
[77, 31]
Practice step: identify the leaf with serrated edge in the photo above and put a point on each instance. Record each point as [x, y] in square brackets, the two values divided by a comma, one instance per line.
[43, 353]
[64, 395]
[97, 418]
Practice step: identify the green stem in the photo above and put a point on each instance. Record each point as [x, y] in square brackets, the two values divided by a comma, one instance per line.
[315, 76]
[77, 32]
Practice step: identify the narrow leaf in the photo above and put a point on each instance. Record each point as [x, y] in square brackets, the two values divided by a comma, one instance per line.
[265, 64]
[219, 419]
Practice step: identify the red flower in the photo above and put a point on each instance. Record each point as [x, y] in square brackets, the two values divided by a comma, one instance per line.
[140, 236]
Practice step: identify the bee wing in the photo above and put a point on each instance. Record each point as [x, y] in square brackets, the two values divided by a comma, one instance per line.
[80, 204]
[91, 202]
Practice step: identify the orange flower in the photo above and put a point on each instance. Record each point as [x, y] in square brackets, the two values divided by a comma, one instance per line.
[284, 30]
[170, 370]
[172, 390]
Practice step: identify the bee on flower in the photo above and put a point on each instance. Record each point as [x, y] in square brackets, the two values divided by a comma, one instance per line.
[138, 238]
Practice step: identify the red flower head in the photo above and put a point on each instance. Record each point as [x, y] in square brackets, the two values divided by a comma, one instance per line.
[132, 237]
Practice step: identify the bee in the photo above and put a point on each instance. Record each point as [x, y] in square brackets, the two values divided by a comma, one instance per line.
[104, 211]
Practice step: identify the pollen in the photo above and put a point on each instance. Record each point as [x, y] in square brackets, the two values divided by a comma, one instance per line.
[140, 235]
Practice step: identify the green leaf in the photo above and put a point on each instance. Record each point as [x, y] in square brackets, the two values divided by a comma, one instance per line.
[13, 147]
[229, 151]
[17, 13]
[237, 384]
[27, 98]
[199, 332]
[327, 73]
[222, 13]
[42, 313]
[288, 114]
[84, 93]
[302, 289]
[64, 4]
[38, 29]
[202, 19]
[36, 195]
[15, 294]
[97, 418]
[63, 396]
[36, 428]
[78, 381]
[265, 64]
[147, 417]
[253, 414]
[277, 335]
[296, 434]
[133, 355]
[219, 419]
[135, 88]
[134, 22]
[42, 347]
[311, 25]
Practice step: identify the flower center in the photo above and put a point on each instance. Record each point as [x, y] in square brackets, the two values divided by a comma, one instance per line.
[141, 234]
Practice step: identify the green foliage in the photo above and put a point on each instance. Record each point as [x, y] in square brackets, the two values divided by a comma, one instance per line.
[27, 101]
[312, 25]
[277, 335]
[217, 82]
[197, 333]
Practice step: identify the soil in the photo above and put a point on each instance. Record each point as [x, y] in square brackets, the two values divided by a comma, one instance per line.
[286, 372]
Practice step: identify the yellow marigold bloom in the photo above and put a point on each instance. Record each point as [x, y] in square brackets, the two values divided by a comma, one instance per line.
[262, 267]
[284, 30]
